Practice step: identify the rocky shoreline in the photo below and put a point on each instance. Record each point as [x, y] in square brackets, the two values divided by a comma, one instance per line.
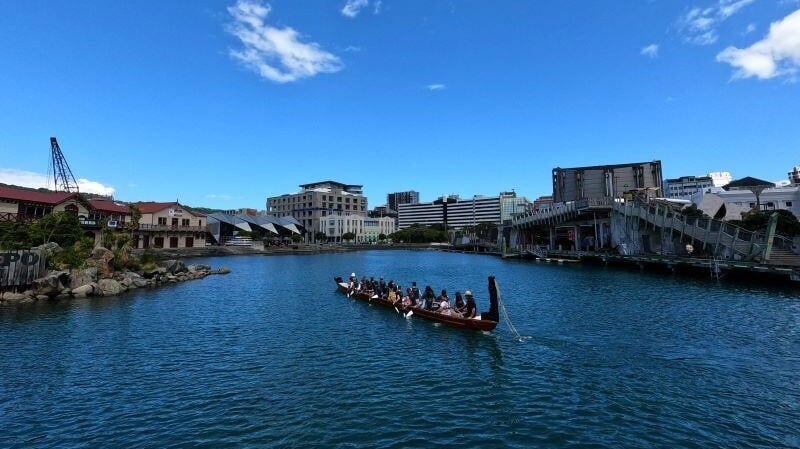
[98, 278]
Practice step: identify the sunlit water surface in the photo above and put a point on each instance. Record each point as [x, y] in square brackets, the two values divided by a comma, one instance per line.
[272, 356]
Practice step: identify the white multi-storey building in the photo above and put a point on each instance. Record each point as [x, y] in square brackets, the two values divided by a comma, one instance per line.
[366, 230]
[453, 212]
[318, 200]
[720, 178]
[794, 176]
[685, 187]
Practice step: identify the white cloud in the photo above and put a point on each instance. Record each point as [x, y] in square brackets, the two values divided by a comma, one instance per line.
[38, 180]
[275, 53]
[218, 196]
[750, 28]
[435, 86]
[651, 51]
[776, 55]
[378, 7]
[353, 7]
[699, 25]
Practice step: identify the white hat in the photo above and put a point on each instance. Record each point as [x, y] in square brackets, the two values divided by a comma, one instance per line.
[468, 293]
[352, 275]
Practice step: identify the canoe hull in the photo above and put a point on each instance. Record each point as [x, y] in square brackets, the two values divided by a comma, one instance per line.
[450, 321]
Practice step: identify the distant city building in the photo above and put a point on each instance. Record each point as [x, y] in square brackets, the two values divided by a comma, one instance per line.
[366, 230]
[318, 200]
[720, 178]
[451, 211]
[242, 211]
[606, 181]
[382, 211]
[794, 176]
[542, 203]
[685, 187]
[393, 200]
[511, 205]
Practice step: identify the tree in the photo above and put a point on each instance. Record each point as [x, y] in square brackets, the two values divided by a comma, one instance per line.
[297, 238]
[59, 227]
[754, 220]
[348, 236]
[320, 236]
[381, 237]
[693, 212]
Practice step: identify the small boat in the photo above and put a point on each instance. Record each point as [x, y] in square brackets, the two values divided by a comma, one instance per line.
[479, 324]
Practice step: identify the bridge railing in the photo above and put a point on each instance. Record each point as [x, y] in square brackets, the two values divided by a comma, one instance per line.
[710, 231]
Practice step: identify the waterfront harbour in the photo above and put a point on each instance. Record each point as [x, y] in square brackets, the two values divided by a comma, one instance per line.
[272, 356]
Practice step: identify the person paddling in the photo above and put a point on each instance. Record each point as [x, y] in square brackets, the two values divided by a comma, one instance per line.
[471, 309]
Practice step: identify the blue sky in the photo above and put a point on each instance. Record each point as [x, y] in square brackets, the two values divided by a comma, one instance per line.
[222, 104]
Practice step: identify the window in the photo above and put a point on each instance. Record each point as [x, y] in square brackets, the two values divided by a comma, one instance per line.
[159, 241]
[174, 222]
[185, 222]
[162, 221]
[788, 204]
[173, 242]
[347, 200]
[338, 199]
[347, 207]
[189, 242]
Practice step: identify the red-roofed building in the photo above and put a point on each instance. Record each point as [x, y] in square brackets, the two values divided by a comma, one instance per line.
[161, 225]
[169, 225]
[20, 203]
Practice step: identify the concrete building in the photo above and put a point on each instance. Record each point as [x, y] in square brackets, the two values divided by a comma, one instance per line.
[542, 203]
[168, 225]
[318, 200]
[731, 204]
[511, 205]
[720, 178]
[794, 176]
[393, 200]
[685, 187]
[453, 212]
[366, 230]
[605, 182]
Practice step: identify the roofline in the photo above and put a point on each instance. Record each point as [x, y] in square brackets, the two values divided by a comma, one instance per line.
[594, 167]
[305, 186]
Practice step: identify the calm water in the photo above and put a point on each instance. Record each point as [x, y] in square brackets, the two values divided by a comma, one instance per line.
[272, 356]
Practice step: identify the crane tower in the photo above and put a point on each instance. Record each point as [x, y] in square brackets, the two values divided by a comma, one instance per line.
[62, 175]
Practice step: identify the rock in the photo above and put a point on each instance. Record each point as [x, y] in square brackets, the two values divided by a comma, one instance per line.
[223, 270]
[198, 268]
[174, 266]
[101, 259]
[139, 282]
[83, 291]
[51, 284]
[49, 249]
[155, 272]
[42, 297]
[15, 297]
[109, 287]
[82, 277]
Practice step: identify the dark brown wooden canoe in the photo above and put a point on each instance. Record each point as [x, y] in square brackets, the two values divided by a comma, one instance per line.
[417, 312]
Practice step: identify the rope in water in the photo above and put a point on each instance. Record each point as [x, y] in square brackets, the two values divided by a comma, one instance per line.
[505, 315]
